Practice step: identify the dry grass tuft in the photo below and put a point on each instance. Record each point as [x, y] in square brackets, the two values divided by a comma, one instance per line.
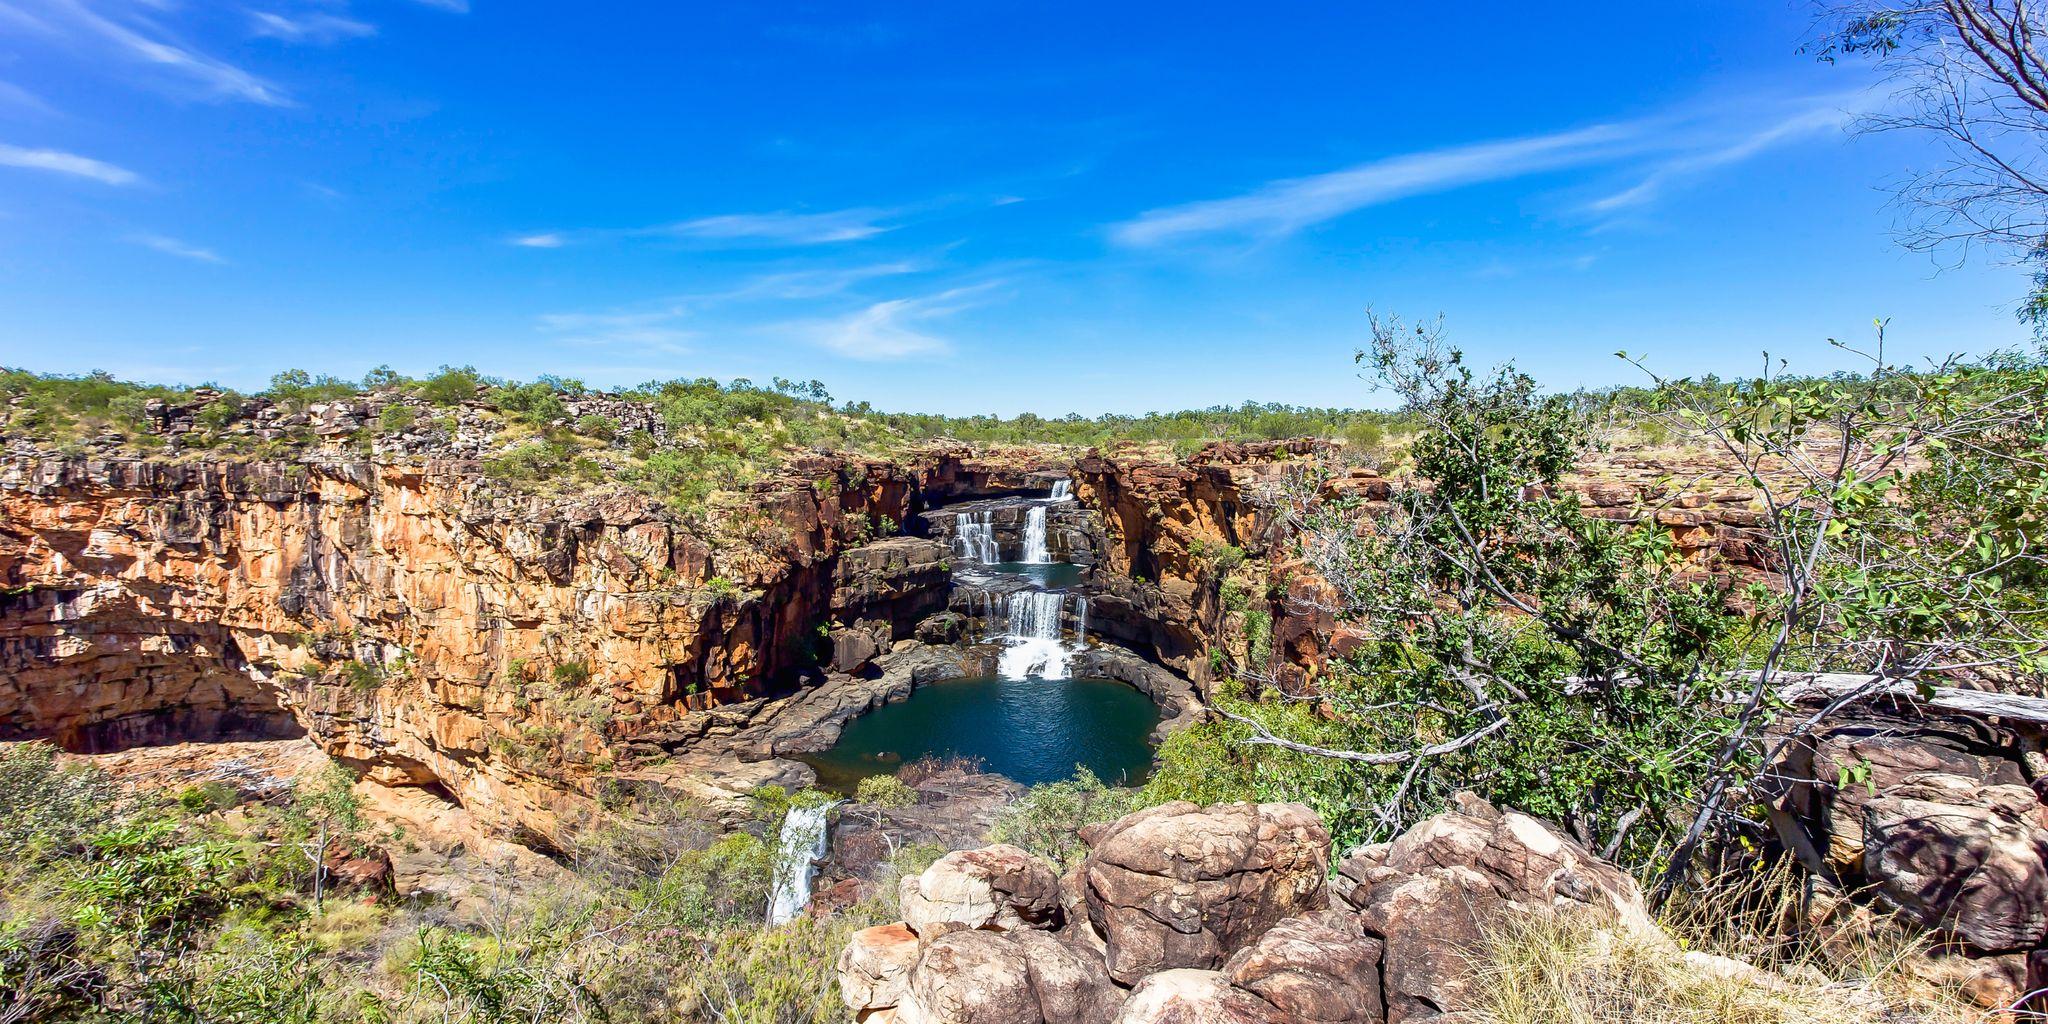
[1750, 950]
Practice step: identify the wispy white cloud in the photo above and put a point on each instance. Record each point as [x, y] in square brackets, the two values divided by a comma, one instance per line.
[669, 326]
[1665, 149]
[782, 228]
[1285, 207]
[777, 229]
[651, 330]
[317, 27]
[1826, 116]
[453, 6]
[15, 97]
[67, 163]
[173, 247]
[892, 329]
[129, 31]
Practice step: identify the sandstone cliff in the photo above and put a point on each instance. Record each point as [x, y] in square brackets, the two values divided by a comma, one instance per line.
[410, 618]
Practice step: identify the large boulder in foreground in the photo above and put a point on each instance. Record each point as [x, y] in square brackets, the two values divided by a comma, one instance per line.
[1430, 896]
[1027, 977]
[875, 966]
[1318, 968]
[997, 888]
[1185, 886]
[1188, 996]
[1961, 857]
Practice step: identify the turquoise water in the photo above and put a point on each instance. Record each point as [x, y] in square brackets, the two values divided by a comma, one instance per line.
[1031, 730]
[1048, 575]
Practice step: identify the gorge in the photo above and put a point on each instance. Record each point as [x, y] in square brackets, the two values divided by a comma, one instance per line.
[513, 668]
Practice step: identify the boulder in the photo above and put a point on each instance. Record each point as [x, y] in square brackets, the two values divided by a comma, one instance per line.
[1967, 859]
[995, 888]
[1027, 977]
[874, 968]
[1319, 968]
[1431, 894]
[1186, 996]
[1180, 885]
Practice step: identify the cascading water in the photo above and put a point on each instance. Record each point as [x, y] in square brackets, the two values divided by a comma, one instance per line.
[1063, 490]
[974, 538]
[803, 844]
[1035, 550]
[1031, 646]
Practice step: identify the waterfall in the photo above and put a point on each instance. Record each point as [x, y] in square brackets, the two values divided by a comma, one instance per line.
[1080, 620]
[1063, 489]
[796, 856]
[1032, 644]
[1035, 550]
[974, 538]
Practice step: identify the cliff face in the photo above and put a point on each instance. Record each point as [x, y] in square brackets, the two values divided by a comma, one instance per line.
[417, 622]
[1169, 526]
[1165, 525]
[408, 619]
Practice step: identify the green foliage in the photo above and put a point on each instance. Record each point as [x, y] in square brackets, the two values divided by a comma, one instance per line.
[298, 389]
[397, 419]
[603, 428]
[1048, 820]
[60, 408]
[361, 676]
[884, 791]
[220, 413]
[538, 402]
[451, 385]
[47, 807]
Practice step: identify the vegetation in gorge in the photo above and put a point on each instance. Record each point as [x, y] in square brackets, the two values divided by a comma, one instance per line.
[204, 906]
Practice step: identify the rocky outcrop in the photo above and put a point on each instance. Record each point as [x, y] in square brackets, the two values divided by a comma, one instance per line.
[880, 592]
[1430, 895]
[418, 622]
[997, 888]
[1185, 886]
[1935, 817]
[1967, 860]
[1201, 914]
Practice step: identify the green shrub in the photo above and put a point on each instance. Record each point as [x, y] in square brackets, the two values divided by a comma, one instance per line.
[452, 385]
[298, 389]
[536, 402]
[1048, 820]
[47, 807]
[361, 676]
[884, 791]
[571, 673]
[397, 419]
[220, 413]
[208, 796]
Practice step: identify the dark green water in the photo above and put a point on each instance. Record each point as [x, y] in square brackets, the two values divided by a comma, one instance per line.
[1032, 730]
[1048, 575]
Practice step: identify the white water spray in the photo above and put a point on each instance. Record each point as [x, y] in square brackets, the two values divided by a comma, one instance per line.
[1031, 645]
[1063, 489]
[803, 844]
[1035, 551]
[974, 538]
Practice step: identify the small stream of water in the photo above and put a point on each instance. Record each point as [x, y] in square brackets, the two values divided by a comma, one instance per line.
[803, 844]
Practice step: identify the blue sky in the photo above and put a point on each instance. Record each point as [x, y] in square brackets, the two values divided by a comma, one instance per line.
[947, 207]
